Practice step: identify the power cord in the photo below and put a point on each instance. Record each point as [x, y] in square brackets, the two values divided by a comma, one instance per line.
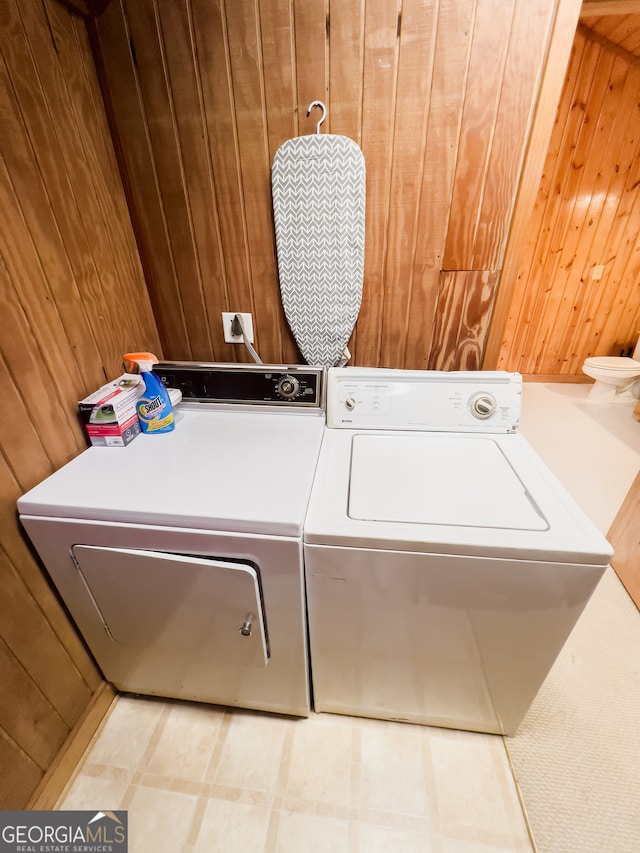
[237, 328]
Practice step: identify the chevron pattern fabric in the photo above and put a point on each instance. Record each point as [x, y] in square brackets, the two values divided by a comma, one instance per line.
[318, 185]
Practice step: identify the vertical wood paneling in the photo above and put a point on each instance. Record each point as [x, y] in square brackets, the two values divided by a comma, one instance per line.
[378, 110]
[148, 214]
[465, 298]
[32, 641]
[580, 172]
[346, 75]
[616, 143]
[346, 63]
[619, 29]
[38, 87]
[47, 268]
[39, 733]
[586, 214]
[418, 28]
[524, 63]
[160, 113]
[624, 536]
[545, 111]
[279, 80]
[20, 775]
[243, 27]
[310, 22]
[213, 68]
[13, 543]
[201, 228]
[73, 300]
[450, 62]
[279, 71]
[554, 173]
[438, 93]
[491, 29]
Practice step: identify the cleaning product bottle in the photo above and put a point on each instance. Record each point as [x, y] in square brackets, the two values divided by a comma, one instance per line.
[154, 408]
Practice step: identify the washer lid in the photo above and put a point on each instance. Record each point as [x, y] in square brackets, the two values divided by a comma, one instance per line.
[438, 479]
[493, 498]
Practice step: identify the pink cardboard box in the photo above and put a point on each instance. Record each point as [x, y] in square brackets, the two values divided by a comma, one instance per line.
[109, 414]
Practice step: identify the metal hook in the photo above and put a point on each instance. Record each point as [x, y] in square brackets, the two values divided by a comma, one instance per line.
[324, 112]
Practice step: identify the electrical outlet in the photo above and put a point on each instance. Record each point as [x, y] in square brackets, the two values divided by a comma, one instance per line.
[227, 321]
[597, 271]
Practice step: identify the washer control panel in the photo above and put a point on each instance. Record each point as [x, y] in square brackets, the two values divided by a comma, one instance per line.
[273, 385]
[461, 401]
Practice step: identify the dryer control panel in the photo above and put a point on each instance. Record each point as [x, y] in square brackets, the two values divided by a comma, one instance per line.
[457, 401]
[273, 385]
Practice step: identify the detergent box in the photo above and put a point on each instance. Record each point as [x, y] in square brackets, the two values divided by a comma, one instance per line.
[109, 414]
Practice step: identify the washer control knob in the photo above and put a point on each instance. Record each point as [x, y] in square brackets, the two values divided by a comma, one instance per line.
[482, 405]
[350, 403]
[288, 387]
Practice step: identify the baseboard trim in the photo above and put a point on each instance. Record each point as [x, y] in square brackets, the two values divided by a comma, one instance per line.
[58, 775]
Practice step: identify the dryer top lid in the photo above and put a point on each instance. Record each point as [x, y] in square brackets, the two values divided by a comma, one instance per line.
[228, 471]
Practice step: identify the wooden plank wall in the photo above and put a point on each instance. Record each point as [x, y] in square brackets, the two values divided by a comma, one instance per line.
[438, 93]
[622, 30]
[73, 300]
[624, 535]
[587, 214]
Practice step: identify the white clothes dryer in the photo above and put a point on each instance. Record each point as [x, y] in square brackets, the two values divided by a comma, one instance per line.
[446, 566]
[180, 556]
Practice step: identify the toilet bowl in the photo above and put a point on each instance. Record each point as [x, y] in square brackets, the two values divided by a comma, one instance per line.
[617, 379]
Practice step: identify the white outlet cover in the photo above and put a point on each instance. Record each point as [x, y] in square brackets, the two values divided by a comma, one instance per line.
[227, 320]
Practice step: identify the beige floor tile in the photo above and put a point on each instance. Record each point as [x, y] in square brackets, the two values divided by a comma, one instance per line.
[311, 834]
[186, 742]
[474, 790]
[384, 839]
[320, 761]
[89, 792]
[125, 737]
[252, 751]
[159, 821]
[233, 827]
[391, 777]
[456, 845]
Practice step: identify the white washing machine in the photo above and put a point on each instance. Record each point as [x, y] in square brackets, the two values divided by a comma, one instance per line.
[445, 564]
[180, 556]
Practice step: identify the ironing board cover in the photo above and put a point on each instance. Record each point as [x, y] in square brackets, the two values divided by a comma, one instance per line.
[318, 185]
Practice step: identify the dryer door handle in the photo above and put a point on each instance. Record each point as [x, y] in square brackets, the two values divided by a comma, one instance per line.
[247, 625]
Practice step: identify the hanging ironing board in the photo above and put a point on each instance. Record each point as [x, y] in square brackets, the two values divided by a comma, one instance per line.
[318, 185]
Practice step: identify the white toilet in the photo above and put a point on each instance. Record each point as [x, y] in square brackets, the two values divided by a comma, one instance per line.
[617, 379]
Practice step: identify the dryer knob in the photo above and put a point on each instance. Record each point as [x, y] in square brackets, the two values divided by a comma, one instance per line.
[350, 403]
[482, 405]
[288, 387]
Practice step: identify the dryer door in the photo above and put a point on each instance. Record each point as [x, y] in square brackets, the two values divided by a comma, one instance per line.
[173, 618]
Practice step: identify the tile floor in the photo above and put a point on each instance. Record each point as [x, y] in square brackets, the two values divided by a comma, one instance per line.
[203, 778]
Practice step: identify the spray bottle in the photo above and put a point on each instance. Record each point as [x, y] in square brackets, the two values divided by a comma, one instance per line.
[154, 408]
